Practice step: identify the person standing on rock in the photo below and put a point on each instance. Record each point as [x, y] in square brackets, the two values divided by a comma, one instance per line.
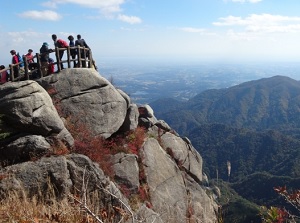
[72, 51]
[59, 43]
[29, 56]
[45, 58]
[3, 75]
[81, 42]
[15, 61]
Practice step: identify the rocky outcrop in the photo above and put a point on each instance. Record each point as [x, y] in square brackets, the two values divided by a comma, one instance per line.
[84, 95]
[175, 193]
[126, 170]
[160, 181]
[29, 122]
[28, 108]
[184, 154]
[63, 176]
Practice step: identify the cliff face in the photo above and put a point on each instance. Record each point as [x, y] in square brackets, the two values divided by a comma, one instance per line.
[166, 169]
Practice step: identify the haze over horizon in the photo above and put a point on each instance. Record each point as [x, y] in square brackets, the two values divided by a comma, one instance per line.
[190, 30]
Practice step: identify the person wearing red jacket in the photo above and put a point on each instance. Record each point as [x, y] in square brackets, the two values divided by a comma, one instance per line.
[60, 44]
[15, 60]
[3, 75]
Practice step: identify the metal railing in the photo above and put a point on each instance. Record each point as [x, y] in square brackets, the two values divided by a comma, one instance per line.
[85, 61]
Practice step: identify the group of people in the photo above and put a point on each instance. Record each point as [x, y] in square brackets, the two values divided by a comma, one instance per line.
[47, 63]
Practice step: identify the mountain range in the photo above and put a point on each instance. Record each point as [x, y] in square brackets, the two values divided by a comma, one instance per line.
[268, 103]
[254, 127]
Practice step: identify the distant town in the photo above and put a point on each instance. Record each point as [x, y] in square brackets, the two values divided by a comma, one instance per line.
[147, 82]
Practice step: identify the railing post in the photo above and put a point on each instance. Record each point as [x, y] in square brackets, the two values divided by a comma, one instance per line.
[79, 56]
[57, 59]
[84, 55]
[26, 67]
[69, 56]
[39, 66]
[12, 76]
[90, 59]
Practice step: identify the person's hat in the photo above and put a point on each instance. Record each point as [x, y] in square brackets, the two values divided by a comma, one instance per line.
[45, 44]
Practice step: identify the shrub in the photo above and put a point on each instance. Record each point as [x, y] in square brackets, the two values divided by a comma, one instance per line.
[94, 147]
[281, 215]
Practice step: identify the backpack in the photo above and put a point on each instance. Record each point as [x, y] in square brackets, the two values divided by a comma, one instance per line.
[62, 43]
[20, 59]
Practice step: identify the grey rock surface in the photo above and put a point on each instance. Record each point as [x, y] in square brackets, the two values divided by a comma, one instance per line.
[86, 96]
[184, 153]
[173, 192]
[30, 122]
[126, 170]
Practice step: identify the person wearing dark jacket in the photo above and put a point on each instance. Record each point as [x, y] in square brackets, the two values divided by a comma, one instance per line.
[81, 42]
[45, 57]
[72, 51]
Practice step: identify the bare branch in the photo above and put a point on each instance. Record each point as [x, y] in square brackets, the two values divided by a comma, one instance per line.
[107, 191]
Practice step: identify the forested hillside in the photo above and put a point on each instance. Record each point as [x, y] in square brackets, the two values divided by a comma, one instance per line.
[254, 127]
[269, 103]
[247, 151]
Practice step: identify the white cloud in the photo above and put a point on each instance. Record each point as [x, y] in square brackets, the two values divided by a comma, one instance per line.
[105, 6]
[130, 19]
[41, 15]
[108, 8]
[262, 23]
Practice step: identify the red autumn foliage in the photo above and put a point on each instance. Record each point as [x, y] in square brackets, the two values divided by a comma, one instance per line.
[281, 215]
[144, 192]
[125, 190]
[92, 146]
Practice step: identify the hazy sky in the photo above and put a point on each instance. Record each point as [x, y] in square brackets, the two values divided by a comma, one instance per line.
[217, 30]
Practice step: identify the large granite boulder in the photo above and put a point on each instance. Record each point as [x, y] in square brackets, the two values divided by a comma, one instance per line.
[126, 171]
[174, 194]
[28, 108]
[29, 123]
[184, 154]
[86, 96]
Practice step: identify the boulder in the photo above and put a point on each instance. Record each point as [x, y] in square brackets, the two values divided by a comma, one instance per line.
[146, 112]
[28, 107]
[86, 96]
[165, 182]
[29, 122]
[131, 119]
[24, 148]
[184, 154]
[126, 170]
[174, 192]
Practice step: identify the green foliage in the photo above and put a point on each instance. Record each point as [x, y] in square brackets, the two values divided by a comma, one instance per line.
[234, 208]
[261, 191]
[273, 215]
[248, 151]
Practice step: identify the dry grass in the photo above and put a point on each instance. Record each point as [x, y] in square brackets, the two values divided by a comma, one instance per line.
[24, 210]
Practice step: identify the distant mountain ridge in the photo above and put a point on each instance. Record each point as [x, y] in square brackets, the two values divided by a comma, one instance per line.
[248, 151]
[268, 103]
[256, 127]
